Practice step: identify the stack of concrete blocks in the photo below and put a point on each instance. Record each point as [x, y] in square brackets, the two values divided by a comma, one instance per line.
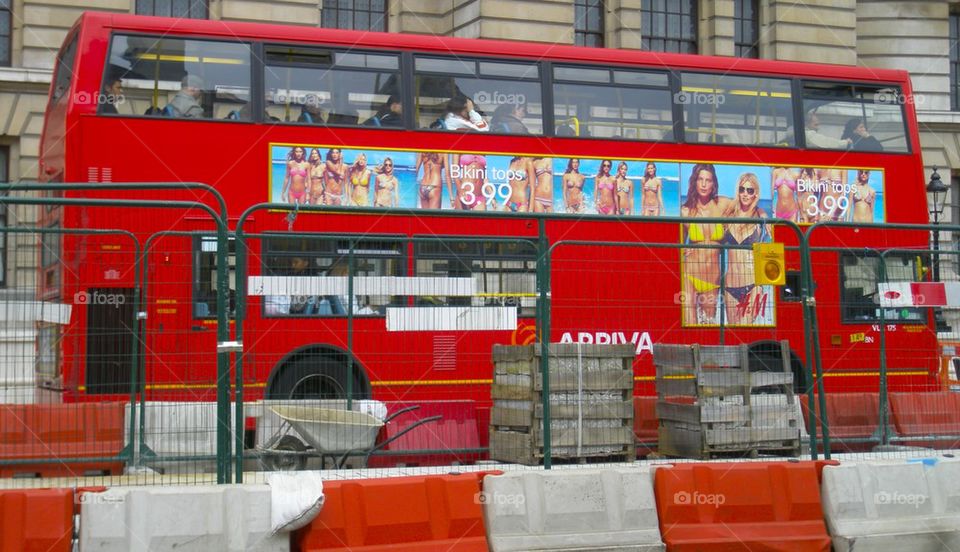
[707, 406]
[591, 403]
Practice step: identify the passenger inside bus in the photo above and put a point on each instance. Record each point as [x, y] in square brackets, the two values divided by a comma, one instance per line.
[856, 131]
[111, 95]
[187, 101]
[817, 140]
[390, 114]
[508, 118]
[311, 112]
[461, 115]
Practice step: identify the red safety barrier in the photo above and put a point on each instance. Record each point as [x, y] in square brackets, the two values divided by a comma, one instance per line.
[36, 520]
[747, 506]
[59, 437]
[932, 417]
[445, 439]
[645, 424]
[853, 418]
[424, 513]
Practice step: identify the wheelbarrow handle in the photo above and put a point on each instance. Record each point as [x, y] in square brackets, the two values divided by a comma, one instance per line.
[410, 408]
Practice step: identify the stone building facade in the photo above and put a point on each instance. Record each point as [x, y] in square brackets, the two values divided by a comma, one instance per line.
[907, 34]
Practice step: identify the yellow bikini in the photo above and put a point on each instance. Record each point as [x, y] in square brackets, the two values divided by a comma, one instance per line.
[695, 235]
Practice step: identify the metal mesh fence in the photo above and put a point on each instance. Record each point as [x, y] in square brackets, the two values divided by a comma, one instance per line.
[396, 350]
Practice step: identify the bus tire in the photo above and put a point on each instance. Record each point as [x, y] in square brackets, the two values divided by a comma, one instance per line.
[317, 373]
[764, 356]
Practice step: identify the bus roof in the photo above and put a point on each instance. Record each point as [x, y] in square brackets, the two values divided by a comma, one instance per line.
[504, 48]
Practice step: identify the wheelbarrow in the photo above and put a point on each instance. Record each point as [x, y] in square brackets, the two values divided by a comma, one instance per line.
[328, 432]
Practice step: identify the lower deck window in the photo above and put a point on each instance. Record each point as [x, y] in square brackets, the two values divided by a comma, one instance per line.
[860, 299]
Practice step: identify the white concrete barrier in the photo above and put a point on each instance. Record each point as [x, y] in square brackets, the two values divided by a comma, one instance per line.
[893, 506]
[612, 509]
[227, 517]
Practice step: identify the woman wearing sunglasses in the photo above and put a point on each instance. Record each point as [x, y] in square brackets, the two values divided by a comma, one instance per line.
[386, 193]
[739, 287]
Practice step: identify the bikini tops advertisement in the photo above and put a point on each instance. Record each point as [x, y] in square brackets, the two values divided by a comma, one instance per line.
[392, 178]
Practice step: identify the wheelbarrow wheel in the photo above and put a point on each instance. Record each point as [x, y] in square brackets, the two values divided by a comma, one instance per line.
[287, 462]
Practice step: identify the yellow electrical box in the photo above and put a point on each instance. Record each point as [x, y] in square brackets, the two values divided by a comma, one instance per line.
[769, 264]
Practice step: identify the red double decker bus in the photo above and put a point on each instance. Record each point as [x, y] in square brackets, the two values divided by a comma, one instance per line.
[585, 141]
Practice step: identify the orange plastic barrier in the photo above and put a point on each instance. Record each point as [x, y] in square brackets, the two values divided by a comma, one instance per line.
[645, 424]
[70, 432]
[423, 513]
[927, 416]
[36, 520]
[853, 419]
[749, 506]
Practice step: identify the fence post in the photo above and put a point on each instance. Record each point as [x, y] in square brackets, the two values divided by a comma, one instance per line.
[808, 298]
[543, 320]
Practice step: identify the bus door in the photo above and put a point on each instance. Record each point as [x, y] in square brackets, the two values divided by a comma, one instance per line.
[110, 319]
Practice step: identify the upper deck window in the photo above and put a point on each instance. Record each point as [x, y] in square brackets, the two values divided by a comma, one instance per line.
[173, 77]
[726, 109]
[612, 103]
[505, 96]
[64, 70]
[862, 118]
[322, 86]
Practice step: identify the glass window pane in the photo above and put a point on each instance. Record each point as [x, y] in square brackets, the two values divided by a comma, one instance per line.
[613, 112]
[495, 101]
[845, 116]
[581, 74]
[640, 79]
[194, 78]
[518, 70]
[723, 109]
[446, 65]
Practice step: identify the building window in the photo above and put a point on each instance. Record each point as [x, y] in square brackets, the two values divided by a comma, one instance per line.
[588, 23]
[361, 15]
[669, 26]
[4, 177]
[954, 61]
[183, 9]
[746, 28]
[6, 18]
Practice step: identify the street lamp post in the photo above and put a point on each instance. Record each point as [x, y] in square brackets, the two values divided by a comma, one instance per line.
[938, 190]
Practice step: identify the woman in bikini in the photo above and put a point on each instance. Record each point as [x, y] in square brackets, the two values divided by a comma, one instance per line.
[295, 180]
[435, 169]
[359, 180]
[387, 193]
[834, 200]
[520, 180]
[333, 176]
[784, 188]
[469, 186]
[738, 280]
[604, 186]
[864, 196]
[652, 189]
[543, 185]
[808, 196]
[624, 190]
[317, 166]
[701, 267]
[573, 187]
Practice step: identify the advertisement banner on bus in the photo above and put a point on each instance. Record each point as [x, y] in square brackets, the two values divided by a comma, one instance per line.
[393, 178]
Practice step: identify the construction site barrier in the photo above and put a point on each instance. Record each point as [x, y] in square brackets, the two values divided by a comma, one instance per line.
[608, 509]
[419, 514]
[36, 520]
[225, 517]
[61, 440]
[854, 420]
[926, 419]
[741, 506]
[892, 507]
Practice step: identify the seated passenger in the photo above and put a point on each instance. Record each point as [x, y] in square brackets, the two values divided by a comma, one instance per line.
[861, 140]
[817, 140]
[111, 95]
[389, 115]
[187, 101]
[461, 115]
[311, 112]
[508, 118]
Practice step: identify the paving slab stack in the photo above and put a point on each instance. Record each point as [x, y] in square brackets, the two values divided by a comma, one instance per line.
[709, 404]
[591, 402]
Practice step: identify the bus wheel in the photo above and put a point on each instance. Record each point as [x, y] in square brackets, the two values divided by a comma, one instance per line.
[289, 455]
[765, 357]
[316, 374]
